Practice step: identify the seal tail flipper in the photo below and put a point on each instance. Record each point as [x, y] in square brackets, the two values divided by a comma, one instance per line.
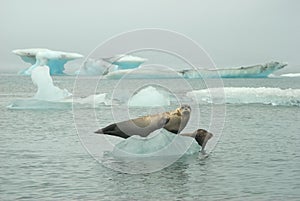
[104, 130]
[100, 131]
[112, 129]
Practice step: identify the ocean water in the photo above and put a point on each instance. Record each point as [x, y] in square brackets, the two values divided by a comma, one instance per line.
[43, 158]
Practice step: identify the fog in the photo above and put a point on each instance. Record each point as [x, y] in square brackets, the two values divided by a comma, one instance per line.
[233, 32]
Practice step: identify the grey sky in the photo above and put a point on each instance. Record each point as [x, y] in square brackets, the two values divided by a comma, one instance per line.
[233, 32]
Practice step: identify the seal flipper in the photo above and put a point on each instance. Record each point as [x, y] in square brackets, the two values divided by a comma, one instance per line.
[117, 133]
[99, 131]
[112, 129]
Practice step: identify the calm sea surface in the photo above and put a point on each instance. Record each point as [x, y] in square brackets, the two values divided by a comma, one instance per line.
[42, 157]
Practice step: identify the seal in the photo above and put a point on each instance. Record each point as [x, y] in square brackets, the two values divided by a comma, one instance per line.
[178, 119]
[201, 136]
[141, 126]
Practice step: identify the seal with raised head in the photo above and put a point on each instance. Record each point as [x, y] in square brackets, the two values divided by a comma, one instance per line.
[201, 136]
[141, 126]
[178, 119]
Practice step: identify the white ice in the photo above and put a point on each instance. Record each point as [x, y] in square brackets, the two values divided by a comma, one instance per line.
[143, 72]
[247, 95]
[48, 95]
[95, 67]
[261, 70]
[291, 75]
[125, 61]
[46, 90]
[149, 97]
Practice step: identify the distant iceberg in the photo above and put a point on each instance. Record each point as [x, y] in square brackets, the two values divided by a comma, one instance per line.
[143, 72]
[146, 72]
[110, 65]
[256, 71]
[247, 95]
[124, 61]
[94, 67]
[55, 60]
[49, 96]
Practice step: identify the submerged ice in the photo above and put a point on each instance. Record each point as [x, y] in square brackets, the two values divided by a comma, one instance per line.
[55, 60]
[156, 145]
[247, 95]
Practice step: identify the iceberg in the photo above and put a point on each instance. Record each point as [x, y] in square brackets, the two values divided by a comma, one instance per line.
[55, 60]
[247, 95]
[144, 72]
[46, 90]
[256, 71]
[124, 61]
[95, 67]
[147, 72]
[49, 96]
[149, 97]
[110, 65]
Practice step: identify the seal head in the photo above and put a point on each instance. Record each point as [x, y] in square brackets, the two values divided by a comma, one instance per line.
[202, 136]
[178, 119]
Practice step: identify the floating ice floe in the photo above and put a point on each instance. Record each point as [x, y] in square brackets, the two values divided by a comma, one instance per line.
[291, 75]
[247, 95]
[156, 145]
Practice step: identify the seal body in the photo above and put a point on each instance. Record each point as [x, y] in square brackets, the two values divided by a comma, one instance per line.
[141, 126]
[178, 119]
[201, 136]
